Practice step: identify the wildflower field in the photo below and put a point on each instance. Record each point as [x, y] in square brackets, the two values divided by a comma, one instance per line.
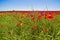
[27, 26]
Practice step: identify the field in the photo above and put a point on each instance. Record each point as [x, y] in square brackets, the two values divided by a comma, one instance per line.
[33, 26]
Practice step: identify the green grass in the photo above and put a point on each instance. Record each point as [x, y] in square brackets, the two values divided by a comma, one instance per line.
[9, 30]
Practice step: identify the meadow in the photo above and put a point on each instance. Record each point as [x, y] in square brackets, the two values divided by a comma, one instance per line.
[27, 26]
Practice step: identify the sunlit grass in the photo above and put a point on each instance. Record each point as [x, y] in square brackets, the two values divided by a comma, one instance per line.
[19, 27]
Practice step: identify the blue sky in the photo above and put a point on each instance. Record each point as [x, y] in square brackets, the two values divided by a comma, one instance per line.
[6, 5]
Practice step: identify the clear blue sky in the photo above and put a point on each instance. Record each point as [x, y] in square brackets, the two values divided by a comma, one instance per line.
[29, 5]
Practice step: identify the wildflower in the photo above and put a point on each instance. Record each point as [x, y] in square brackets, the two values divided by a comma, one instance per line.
[33, 27]
[39, 17]
[50, 17]
[33, 18]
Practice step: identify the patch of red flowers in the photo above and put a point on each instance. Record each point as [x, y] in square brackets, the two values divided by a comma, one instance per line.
[32, 18]
[34, 27]
[31, 15]
[39, 17]
[50, 17]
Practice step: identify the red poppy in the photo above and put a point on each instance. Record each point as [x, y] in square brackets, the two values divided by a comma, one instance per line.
[39, 16]
[33, 27]
[49, 16]
[52, 14]
[33, 18]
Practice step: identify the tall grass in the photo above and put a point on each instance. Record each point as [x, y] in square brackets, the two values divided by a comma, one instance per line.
[21, 27]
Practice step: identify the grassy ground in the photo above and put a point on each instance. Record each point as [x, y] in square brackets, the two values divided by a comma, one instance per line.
[24, 27]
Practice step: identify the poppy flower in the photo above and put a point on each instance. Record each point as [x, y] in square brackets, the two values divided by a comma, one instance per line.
[33, 18]
[49, 16]
[33, 27]
[39, 16]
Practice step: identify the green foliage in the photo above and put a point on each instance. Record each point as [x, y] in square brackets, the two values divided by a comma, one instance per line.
[45, 29]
